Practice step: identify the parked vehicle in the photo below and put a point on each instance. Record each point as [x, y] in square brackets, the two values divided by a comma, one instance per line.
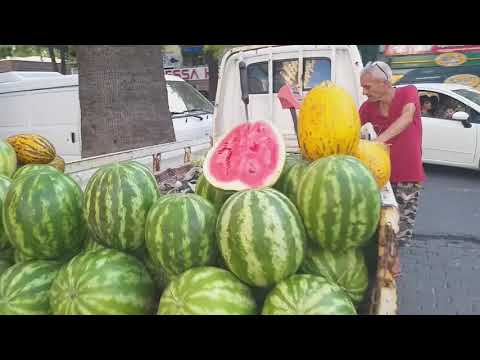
[451, 130]
[47, 103]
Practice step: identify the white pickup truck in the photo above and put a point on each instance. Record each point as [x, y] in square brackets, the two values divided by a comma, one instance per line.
[263, 69]
[249, 80]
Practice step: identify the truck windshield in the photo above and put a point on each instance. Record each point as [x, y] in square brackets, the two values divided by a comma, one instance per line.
[183, 97]
[473, 96]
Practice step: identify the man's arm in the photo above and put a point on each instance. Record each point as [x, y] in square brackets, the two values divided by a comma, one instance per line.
[399, 125]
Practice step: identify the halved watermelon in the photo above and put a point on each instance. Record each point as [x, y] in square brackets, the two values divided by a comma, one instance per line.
[250, 156]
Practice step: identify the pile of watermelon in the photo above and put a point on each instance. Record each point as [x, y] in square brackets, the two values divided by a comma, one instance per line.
[265, 233]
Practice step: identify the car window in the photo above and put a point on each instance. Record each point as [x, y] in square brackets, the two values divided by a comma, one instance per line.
[441, 106]
[257, 75]
[184, 97]
[315, 70]
[473, 96]
[285, 72]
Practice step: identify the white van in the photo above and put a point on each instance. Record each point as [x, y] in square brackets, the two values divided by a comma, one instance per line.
[267, 68]
[47, 103]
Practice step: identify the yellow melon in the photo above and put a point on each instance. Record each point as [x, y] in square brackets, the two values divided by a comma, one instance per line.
[376, 157]
[32, 149]
[329, 122]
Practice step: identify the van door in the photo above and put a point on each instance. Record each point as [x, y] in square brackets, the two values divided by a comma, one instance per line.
[52, 113]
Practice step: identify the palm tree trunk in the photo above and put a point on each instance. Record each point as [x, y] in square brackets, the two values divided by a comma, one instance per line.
[51, 52]
[63, 57]
[123, 98]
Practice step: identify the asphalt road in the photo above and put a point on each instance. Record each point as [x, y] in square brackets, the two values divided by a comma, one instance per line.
[441, 267]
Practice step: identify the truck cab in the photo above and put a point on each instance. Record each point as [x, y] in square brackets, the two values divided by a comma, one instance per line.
[266, 68]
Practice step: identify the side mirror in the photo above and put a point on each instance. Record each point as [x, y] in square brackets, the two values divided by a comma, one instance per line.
[463, 117]
[460, 116]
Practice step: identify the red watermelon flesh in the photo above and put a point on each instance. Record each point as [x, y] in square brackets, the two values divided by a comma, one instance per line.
[251, 156]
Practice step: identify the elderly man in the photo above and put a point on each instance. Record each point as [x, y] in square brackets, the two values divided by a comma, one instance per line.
[396, 117]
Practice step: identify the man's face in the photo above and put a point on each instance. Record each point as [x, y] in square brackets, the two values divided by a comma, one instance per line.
[373, 88]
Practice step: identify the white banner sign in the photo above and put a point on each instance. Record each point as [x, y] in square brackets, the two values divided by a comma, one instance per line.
[188, 74]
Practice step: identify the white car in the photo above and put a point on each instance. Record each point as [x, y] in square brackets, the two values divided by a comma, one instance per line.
[451, 131]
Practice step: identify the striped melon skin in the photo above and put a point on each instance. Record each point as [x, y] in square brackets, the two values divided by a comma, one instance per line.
[32, 148]
[20, 257]
[290, 178]
[339, 201]
[6, 259]
[8, 159]
[261, 236]
[329, 123]
[207, 291]
[91, 244]
[209, 192]
[43, 216]
[159, 276]
[307, 295]
[347, 269]
[180, 233]
[24, 288]
[117, 200]
[103, 282]
[5, 183]
[7, 254]
[5, 264]
[33, 169]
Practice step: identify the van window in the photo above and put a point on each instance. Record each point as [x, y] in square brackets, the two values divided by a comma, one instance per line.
[316, 70]
[184, 97]
[257, 75]
[285, 72]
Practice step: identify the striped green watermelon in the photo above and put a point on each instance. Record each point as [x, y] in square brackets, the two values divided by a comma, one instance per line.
[5, 183]
[292, 173]
[8, 159]
[43, 216]
[33, 169]
[24, 288]
[103, 282]
[159, 276]
[91, 244]
[20, 257]
[4, 265]
[339, 201]
[116, 203]
[180, 232]
[6, 259]
[207, 291]
[347, 269]
[216, 196]
[7, 254]
[261, 236]
[307, 295]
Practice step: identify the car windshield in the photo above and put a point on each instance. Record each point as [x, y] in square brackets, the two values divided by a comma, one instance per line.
[473, 96]
[183, 97]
